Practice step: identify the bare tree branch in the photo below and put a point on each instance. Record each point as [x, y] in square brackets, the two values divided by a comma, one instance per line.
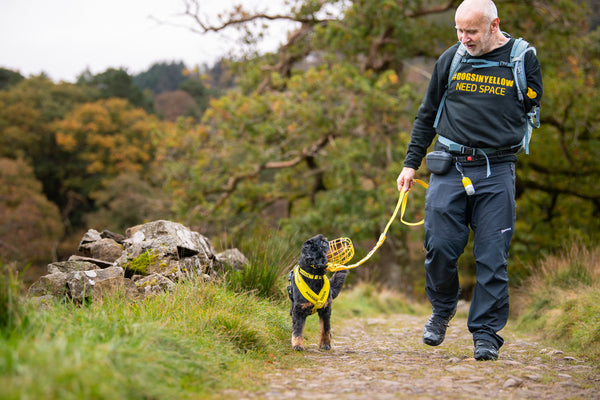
[371, 61]
[239, 16]
[232, 183]
[286, 61]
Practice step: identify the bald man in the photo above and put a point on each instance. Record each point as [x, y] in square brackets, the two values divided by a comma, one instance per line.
[480, 126]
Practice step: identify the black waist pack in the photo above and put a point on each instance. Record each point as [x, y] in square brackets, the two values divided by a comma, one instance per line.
[438, 162]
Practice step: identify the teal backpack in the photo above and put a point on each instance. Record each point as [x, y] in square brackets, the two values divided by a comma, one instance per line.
[517, 64]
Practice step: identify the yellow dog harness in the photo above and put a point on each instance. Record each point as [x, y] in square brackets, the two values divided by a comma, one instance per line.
[317, 300]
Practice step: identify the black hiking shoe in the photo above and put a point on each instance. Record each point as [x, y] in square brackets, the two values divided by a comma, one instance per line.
[485, 351]
[435, 329]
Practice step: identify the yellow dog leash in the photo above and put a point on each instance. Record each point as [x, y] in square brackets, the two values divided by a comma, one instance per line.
[401, 205]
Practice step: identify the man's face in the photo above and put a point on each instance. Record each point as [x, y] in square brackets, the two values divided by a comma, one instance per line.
[475, 32]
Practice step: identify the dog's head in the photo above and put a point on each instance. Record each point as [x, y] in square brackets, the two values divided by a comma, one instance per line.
[314, 252]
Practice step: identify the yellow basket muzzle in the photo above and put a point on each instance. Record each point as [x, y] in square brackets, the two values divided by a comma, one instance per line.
[340, 252]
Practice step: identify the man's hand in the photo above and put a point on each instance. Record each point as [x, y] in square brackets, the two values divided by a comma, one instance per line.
[406, 179]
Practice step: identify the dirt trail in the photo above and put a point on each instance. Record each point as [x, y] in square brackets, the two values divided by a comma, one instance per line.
[383, 358]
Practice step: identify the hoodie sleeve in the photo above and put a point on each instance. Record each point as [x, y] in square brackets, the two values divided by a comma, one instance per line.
[535, 87]
[423, 132]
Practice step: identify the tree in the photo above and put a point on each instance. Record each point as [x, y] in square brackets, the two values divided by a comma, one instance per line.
[199, 92]
[162, 77]
[102, 140]
[75, 143]
[171, 105]
[30, 225]
[118, 83]
[9, 78]
[27, 109]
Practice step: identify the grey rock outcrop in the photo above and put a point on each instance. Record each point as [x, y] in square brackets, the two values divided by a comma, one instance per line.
[149, 259]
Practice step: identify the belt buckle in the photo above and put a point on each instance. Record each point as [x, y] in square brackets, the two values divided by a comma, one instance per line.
[468, 151]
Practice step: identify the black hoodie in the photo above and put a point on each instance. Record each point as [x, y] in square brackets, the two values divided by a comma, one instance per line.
[481, 110]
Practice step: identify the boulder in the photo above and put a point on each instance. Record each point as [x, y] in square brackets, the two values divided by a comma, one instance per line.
[71, 266]
[193, 266]
[117, 237]
[94, 261]
[93, 284]
[176, 251]
[102, 249]
[154, 284]
[234, 258]
[90, 236]
[171, 238]
[54, 284]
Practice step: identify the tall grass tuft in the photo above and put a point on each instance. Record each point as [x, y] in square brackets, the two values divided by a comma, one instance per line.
[271, 258]
[562, 299]
[12, 308]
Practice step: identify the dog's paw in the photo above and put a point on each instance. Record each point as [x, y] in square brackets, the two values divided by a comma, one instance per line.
[298, 348]
[325, 346]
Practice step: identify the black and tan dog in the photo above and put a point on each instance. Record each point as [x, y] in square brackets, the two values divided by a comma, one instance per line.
[311, 291]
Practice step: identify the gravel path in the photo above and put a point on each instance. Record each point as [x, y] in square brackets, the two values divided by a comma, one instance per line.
[384, 358]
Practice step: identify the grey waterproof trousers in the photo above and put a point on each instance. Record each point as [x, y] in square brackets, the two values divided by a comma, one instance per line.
[490, 213]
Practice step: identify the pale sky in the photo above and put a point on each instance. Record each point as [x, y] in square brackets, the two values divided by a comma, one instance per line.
[62, 38]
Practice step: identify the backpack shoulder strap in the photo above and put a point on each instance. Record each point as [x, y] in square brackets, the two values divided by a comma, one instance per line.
[458, 56]
[517, 58]
[456, 60]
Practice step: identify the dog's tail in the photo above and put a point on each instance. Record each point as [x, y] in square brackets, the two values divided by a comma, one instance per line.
[337, 282]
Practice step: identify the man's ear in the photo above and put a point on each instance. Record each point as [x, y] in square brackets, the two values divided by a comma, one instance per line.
[495, 25]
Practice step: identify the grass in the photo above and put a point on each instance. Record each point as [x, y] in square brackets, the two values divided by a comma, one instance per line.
[190, 343]
[562, 300]
[367, 299]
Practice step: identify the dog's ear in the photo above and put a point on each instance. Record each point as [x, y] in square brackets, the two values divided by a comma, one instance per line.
[314, 251]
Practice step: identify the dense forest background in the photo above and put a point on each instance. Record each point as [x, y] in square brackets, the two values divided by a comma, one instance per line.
[289, 144]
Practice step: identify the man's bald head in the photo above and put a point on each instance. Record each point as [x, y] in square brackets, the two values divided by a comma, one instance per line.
[478, 26]
[486, 8]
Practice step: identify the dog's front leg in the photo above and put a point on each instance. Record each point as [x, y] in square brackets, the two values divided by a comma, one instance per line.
[297, 327]
[299, 314]
[325, 321]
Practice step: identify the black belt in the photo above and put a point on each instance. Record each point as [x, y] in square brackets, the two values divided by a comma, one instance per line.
[469, 154]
